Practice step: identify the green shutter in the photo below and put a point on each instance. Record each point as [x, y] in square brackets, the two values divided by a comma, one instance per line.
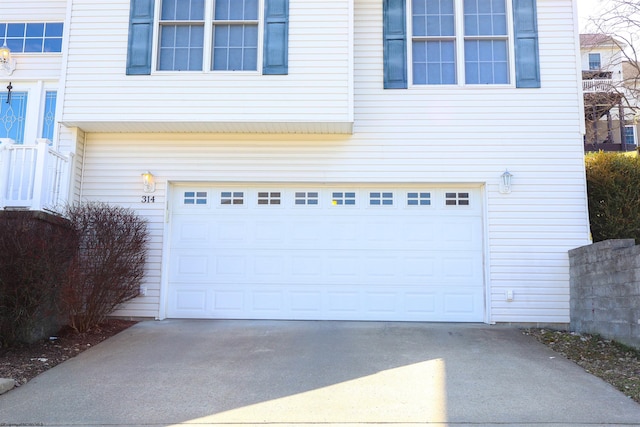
[140, 37]
[526, 44]
[276, 37]
[395, 44]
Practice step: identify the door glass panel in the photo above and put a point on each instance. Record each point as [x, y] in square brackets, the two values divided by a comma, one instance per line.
[12, 116]
[49, 118]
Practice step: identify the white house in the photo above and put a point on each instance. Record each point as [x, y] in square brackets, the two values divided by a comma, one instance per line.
[610, 92]
[334, 159]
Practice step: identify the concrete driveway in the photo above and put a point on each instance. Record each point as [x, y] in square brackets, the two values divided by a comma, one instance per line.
[277, 373]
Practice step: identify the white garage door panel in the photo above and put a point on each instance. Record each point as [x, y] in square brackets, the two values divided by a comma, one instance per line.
[339, 267]
[286, 302]
[325, 261]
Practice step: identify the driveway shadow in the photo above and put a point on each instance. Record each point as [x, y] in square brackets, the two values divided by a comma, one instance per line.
[292, 372]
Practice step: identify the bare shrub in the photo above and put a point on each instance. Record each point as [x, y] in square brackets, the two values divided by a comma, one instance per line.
[109, 266]
[35, 253]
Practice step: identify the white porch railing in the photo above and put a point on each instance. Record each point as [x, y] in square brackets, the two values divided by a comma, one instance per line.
[33, 177]
[598, 85]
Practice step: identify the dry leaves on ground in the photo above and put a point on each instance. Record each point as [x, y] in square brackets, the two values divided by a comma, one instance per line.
[24, 362]
[615, 363]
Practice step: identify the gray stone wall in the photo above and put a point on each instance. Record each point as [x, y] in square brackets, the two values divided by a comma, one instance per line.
[605, 290]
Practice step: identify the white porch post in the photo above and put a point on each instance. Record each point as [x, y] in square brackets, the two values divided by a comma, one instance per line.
[39, 185]
[66, 180]
[4, 169]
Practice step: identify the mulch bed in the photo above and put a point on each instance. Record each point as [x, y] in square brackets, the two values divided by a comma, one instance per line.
[23, 362]
[615, 363]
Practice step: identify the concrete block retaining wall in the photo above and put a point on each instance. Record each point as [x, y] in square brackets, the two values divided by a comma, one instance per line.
[605, 290]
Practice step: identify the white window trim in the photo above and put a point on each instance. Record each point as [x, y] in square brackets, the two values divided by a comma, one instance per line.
[207, 43]
[459, 47]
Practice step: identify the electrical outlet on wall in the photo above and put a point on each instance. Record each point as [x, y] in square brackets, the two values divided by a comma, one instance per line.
[509, 295]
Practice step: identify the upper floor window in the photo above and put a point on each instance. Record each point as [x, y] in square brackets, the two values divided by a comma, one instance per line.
[181, 35]
[456, 40]
[204, 35]
[32, 37]
[595, 61]
[235, 35]
[222, 33]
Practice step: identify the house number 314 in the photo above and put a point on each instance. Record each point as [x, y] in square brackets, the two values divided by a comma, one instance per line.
[148, 199]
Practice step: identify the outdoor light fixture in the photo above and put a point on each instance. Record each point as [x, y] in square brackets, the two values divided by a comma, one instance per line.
[505, 182]
[7, 63]
[148, 182]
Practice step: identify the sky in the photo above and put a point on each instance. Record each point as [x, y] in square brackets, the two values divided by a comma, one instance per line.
[588, 8]
[585, 9]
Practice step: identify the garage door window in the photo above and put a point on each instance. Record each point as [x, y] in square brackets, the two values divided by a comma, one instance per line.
[343, 199]
[381, 199]
[269, 198]
[195, 197]
[418, 199]
[232, 198]
[306, 198]
[457, 199]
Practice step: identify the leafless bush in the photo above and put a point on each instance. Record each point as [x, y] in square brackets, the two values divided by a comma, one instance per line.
[109, 266]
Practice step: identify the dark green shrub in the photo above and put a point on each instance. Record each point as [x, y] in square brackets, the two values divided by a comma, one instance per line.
[109, 266]
[35, 253]
[613, 184]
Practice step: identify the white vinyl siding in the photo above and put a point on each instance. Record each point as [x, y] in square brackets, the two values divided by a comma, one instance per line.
[441, 136]
[33, 10]
[43, 66]
[316, 96]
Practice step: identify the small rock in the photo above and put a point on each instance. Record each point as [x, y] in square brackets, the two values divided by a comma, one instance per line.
[6, 384]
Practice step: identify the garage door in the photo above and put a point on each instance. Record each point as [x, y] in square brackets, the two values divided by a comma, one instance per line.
[325, 252]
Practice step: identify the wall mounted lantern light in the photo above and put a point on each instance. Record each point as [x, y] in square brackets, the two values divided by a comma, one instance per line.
[7, 63]
[505, 182]
[148, 182]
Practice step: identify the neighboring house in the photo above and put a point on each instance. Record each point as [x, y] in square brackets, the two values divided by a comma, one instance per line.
[333, 159]
[609, 94]
[631, 113]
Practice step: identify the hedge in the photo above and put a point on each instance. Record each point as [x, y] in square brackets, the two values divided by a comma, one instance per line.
[613, 186]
